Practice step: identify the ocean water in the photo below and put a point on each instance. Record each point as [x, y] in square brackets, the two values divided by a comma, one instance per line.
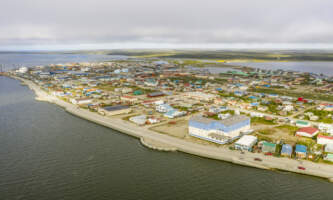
[47, 153]
[15, 60]
[315, 67]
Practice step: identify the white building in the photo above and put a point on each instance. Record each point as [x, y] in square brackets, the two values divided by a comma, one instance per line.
[81, 101]
[327, 128]
[324, 140]
[22, 70]
[246, 142]
[140, 120]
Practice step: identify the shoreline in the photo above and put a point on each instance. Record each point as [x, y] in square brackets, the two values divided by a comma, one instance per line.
[157, 141]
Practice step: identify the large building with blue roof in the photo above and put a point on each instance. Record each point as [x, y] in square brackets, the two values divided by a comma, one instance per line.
[219, 131]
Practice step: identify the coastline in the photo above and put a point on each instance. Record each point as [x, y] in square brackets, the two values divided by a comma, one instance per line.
[162, 142]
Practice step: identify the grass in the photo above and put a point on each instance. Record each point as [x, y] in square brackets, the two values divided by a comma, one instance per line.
[288, 128]
[260, 120]
[323, 115]
[266, 131]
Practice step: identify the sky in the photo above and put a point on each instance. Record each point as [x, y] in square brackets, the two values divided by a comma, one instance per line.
[110, 24]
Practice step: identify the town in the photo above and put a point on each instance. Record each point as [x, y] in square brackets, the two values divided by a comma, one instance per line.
[273, 112]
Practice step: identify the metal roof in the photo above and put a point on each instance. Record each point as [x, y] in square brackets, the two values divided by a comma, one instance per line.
[114, 108]
[235, 119]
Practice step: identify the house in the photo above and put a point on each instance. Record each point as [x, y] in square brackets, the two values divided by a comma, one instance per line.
[174, 113]
[324, 140]
[288, 108]
[218, 131]
[81, 101]
[300, 151]
[155, 94]
[327, 128]
[268, 147]
[246, 142]
[126, 90]
[328, 148]
[114, 110]
[307, 132]
[137, 92]
[300, 123]
[129, 99]
[286, 150]
[163, 108]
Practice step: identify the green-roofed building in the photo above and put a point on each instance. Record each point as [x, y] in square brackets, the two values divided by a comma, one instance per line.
[301, 123]
[268, 147]
[137, 92]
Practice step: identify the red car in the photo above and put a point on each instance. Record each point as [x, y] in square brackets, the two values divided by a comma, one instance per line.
[257, 159]
[300, 167]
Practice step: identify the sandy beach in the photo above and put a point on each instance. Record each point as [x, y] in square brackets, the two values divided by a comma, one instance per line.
[163, 142]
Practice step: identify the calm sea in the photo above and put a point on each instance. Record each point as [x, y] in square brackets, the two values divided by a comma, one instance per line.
[15, 60]
[315, 67]
[46, 153]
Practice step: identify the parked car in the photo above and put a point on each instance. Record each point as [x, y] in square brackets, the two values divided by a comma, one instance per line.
[257, 159]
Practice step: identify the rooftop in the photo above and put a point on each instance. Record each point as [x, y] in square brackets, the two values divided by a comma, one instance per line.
[117, 107]
[227, 122]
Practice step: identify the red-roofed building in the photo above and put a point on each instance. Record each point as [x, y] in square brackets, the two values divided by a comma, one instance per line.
[307, 132]
[324, 140]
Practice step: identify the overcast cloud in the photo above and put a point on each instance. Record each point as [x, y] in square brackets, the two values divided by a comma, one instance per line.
[47, 24]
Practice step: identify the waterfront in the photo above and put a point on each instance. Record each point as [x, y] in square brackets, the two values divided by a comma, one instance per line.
[15, 60]
[49, 153]
[315, 67]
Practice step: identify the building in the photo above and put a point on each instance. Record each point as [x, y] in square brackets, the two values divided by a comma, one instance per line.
[300, 123]
[300, 151]
[81, 101]
[218, 131]
[246, 142]
[329, 148]
[140, 119]
[324, 140]
[163, 108]
[155, 94]
[286, 150]
[327, 128]
[268, 147]
[114, 110]
[307, 132]
[174, 113]
[23, 70]
[329, 157]
[129, 99]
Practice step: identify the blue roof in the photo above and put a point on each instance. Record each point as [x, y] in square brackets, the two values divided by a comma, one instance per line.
[287, 148]
[301, 148]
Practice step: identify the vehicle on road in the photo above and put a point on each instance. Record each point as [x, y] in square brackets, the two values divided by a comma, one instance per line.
[301, 168]
[257, 159]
